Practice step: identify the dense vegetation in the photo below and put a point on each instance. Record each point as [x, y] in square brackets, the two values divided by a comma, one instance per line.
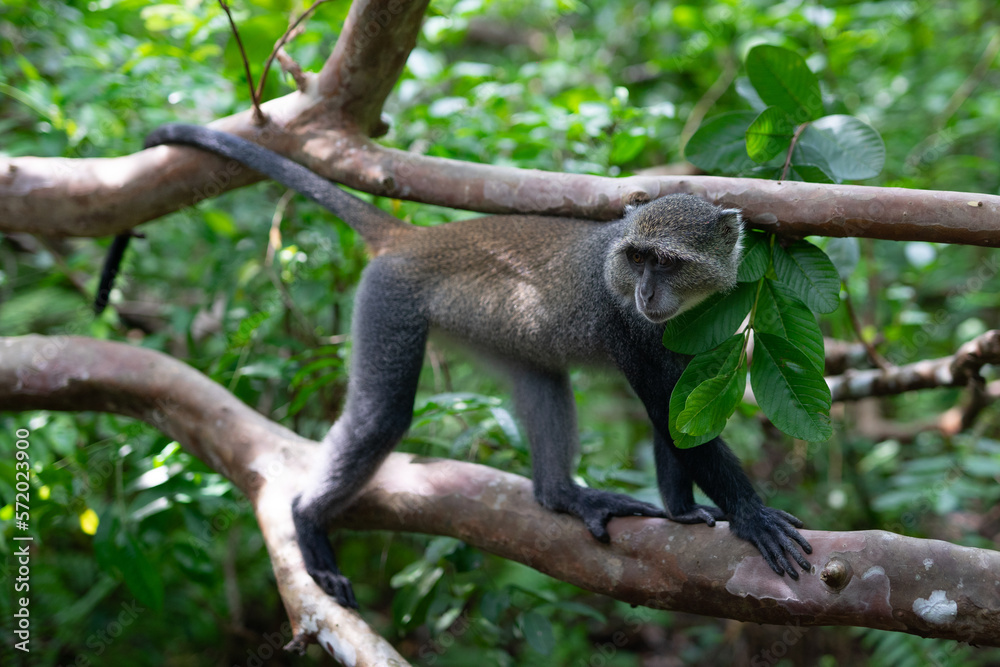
[127, 522]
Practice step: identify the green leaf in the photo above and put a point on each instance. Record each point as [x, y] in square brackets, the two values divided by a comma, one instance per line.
[624, 147]
[141, 576]
[852, 148]
[701, 369]
[780, 313]
[756, 257]
[719, 145]
[808, 173]
[712, 403]
[845, 253]
[115, 549]
[769, 135]
[708, 324]
[782, 79]
[809, 273]
[538, 631]
[789, 389]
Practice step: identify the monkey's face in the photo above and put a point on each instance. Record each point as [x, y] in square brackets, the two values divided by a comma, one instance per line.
[673, 254]
[664, 286]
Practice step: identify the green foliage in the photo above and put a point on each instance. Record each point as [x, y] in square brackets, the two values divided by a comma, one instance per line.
[824, 149]
[786, 372]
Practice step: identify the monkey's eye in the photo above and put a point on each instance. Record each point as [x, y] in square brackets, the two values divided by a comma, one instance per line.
[636, 257]
[664, 261]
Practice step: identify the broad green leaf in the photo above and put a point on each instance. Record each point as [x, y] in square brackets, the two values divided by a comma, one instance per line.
[115, 549]
[769, 135]
[756, 257]
[702, 368]
[789, 389]
[808, 173]
[142, 577]
[845, 254]
[851, 147]
[538, 631]
[809, 273]
[806, 156]
[415, 586]
[712, 403]
[720, 144]
[624, 147]
[708, 324]
[782, 79]
[781, 313]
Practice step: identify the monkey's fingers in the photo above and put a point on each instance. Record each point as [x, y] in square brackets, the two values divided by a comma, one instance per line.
[596, 508]
[790, 547]
[794, 520]
[707, 514]
[772, 550]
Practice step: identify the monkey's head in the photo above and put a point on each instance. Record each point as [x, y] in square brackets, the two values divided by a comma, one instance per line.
[674, 252]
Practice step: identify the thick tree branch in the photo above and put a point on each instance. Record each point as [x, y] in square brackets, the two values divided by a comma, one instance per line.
[872, 579]
[370, 54]
[98, 197]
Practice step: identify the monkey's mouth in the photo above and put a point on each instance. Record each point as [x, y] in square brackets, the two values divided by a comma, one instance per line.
[659, 316]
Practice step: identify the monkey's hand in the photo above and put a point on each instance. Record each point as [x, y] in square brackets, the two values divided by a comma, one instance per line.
[773, 532]
[319, 559]
[596, 508]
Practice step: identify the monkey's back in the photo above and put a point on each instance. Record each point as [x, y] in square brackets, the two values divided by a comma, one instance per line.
[515, 286]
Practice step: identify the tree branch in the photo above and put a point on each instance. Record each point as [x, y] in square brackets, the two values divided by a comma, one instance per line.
[956, 370]
[865, 578]
[104, 196]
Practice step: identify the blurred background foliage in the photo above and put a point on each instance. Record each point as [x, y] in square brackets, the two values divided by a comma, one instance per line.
[147, 557]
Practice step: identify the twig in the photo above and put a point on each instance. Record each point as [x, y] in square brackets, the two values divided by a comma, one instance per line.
[707, 100]
[258, 114]
[978, 73]
[873, 354]
[281, 43]
[791, 148]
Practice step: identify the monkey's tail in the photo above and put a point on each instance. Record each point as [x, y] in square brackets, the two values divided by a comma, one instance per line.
[371, 222]
[112, 262]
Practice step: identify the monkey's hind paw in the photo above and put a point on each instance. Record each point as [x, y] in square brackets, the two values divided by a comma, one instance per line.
[336, 586]
[707, 514]
[773, 532]
[597, 507]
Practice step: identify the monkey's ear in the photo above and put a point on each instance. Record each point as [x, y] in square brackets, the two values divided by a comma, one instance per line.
[731, 219]
[634, 200]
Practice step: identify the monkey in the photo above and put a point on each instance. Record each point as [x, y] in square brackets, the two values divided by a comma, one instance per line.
[533, 295]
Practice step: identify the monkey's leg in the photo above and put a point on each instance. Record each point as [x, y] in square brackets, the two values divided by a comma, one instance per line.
[711, 466]
[677, 487]
[544, 402]
[389, 337]
[715, 469]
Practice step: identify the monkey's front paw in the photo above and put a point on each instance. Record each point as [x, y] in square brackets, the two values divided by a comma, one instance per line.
[773, 532]
[597, 507]
[707, 514]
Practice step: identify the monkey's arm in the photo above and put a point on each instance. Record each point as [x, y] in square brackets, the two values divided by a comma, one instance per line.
[545, 405]
[713, 467]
